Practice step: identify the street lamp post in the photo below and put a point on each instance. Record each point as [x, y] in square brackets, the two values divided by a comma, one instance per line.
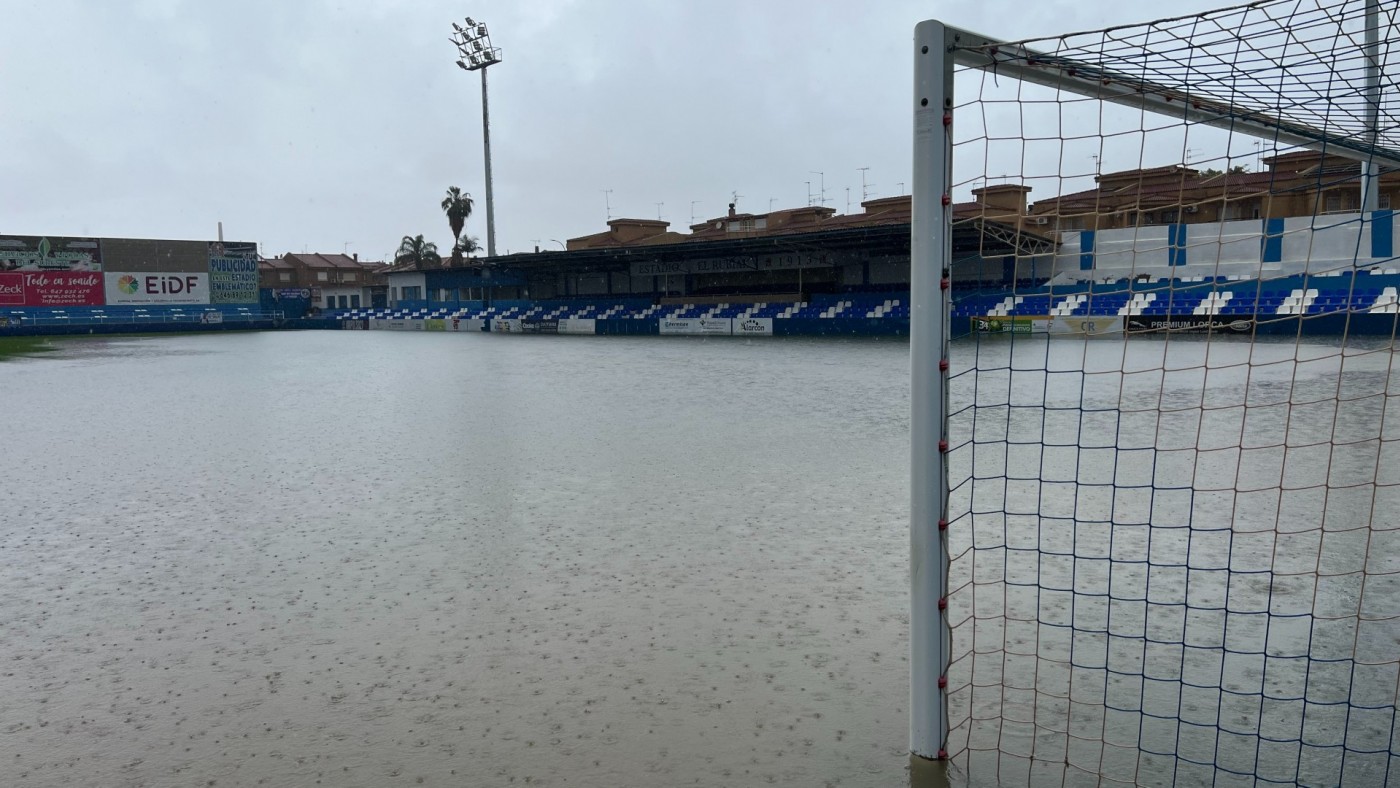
[476, 54]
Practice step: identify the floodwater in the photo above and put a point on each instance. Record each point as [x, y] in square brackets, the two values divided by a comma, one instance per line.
[381, 558]
[378, 559]
[1175, 563]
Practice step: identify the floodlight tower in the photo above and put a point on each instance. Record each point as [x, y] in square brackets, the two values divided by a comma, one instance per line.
[476, 54]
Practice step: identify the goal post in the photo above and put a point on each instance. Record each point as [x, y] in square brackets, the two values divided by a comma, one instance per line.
[1155, 471]
[930, 261]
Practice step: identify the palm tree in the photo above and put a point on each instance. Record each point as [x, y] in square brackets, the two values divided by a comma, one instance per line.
[458, 207]
[415, 250]
[465, 246]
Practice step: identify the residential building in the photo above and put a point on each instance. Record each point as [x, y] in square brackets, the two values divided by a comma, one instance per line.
[336, 281]
[1301, 183]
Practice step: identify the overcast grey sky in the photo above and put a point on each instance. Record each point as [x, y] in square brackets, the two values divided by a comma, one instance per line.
[325, 125]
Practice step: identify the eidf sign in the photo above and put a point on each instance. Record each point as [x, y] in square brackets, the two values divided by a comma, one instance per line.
[127, 287]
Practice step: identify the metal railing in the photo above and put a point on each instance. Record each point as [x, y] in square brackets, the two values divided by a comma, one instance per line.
[131, 318]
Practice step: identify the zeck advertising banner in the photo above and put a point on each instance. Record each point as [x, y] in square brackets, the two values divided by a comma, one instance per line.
[147, 288]
[50, 288]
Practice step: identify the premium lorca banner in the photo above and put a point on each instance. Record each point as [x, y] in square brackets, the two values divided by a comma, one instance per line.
[50, 288]
[1190, 323]
[146, 288]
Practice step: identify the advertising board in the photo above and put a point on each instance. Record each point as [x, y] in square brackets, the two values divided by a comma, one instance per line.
[396, 325]
[1220, 324]
[539, 326]
[466, 324]
[723, 326]
[753, 326]
[1085, 325]
[233, 273]
[578, 325]
[36, 253]
[1019, 324]
[505, 325]
[136, 287]
[51, 288]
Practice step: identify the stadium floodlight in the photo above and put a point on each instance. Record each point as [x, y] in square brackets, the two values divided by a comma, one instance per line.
[475, 53]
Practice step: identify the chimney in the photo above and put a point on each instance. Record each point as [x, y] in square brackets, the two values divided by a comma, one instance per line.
[357, 257]
[731, 209]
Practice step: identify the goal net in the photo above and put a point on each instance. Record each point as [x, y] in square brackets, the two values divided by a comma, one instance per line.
[1167, 493]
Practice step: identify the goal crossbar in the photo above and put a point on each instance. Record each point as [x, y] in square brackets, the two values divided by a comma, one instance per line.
[1017, 61]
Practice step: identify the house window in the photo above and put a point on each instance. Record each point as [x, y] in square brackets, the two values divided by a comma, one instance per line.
[1334, 202]
[1384, 202]
[350, 277]
[322, 276]
[412, 293]
[284, 276]
[1256, 212]
[1168, 216]
[354, 302]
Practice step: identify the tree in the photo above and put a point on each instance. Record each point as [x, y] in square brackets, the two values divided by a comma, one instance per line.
[1238, 169]
[465, 246]
[415, 250]
[458, 207]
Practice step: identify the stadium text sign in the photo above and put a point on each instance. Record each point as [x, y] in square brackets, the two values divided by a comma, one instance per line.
[723, 326]
[753, 326]
[135, 287]
[233, 280]
[719, 265]
[51, 288]
[1011, 325]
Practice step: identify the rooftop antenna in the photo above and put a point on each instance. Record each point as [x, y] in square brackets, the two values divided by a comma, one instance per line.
[1095, 157]
[864, 188]
[607, 201]
[693, 203]
[822, 193]
[735, 198]
[771, 200]
[659, 206]
[848, 199]
[809, 192]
